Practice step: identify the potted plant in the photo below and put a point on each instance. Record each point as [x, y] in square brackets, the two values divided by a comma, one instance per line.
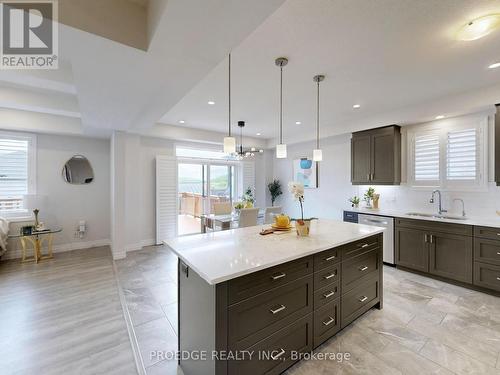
[301, 225]
[369, 196]
[248, 198]
[354, 201]
[275, 190]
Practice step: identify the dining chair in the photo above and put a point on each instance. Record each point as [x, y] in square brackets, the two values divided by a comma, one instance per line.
[222, 208]
[248, 217]
[270, 213]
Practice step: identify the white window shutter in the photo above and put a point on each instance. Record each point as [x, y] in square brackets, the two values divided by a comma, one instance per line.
[462, 161]
[248, 175]
[166, 198]
[13, 172]
[426, 158]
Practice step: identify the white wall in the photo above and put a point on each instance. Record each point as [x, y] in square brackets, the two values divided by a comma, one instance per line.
[68, 204]
[335, 187]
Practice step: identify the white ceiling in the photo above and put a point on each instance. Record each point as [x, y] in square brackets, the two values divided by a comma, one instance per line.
[397, 58]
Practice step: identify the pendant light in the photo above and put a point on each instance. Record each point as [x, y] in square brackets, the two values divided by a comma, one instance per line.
[317, 153]
[229, 141]
[281, 147]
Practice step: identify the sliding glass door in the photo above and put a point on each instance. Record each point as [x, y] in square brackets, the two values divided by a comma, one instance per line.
[200, 185]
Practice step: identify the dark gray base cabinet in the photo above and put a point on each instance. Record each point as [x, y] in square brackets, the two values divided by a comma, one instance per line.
[462, 253]
[277, 312]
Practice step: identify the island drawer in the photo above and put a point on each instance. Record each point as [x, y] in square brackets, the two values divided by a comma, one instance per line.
[487, 251]
[487, 276]
[250, 285]
[326, 276]
[327, 294]
[255, 318]
[273, 355]
[487, 232]
[358, 269]
[359, 300]
[362, 246]
[326, 258]
[326, 322]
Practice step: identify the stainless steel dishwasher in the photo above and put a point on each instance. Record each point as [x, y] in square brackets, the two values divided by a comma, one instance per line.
[387, 223]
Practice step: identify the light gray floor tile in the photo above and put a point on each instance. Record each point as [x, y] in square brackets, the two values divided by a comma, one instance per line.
[155, 336]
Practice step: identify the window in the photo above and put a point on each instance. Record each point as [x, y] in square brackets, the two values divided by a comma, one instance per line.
[451, 156]
[17, 166]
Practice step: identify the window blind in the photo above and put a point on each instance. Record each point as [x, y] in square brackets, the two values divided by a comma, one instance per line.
[461, 155]
[13, 172]
[427, 157]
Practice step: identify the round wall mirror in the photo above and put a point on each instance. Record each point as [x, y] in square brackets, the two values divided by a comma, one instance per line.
[78, 171]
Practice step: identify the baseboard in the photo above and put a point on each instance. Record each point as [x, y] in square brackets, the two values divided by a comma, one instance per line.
[140, 245]
[17, 252]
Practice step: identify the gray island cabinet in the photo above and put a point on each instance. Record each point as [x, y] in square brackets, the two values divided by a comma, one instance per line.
[251, 304]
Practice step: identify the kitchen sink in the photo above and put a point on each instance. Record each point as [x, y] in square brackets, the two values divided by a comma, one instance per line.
[437, 216]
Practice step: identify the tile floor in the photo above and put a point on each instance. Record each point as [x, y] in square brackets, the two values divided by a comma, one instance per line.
[426, 326]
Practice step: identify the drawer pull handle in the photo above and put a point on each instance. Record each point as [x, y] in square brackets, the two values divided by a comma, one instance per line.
[363, 268]
[363, 299]
[279, 276]
[498, 278]
[498, 252]
[275, 311]
[329, 294]
[329, 321]
[364, 245]
[328, 277]
[278, 355]
[331, 258]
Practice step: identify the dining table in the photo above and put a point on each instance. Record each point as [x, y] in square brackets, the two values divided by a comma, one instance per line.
[224, 221]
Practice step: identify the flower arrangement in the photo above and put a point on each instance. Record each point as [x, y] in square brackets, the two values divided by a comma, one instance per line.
[248, 198]
[297, 190]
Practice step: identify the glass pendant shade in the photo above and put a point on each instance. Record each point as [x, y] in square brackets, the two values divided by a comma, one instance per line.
[317, 155]
[229, 145]
[281, 151]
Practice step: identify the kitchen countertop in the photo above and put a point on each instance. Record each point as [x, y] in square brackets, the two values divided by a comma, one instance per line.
[225, 255]
[471, 220]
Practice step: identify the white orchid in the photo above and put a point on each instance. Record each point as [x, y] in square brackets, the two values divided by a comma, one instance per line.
[297, 190]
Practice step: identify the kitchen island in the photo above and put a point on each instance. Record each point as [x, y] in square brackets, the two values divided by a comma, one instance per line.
[251, 304]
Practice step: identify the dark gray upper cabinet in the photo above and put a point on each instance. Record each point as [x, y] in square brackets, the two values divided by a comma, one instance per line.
[376, 156]
[497, 145]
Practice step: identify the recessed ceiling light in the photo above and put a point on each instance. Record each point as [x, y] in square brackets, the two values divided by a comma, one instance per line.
[356, 106]
[494, 66]
[181, 121]
[258, 134]
[479, 27]
[440, 117]
[298, 122]
[211, 102]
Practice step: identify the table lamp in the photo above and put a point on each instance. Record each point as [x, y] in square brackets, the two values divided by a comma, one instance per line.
[35, 202]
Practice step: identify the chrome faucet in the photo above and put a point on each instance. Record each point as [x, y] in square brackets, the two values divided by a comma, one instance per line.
[440, 209]
[463, 205]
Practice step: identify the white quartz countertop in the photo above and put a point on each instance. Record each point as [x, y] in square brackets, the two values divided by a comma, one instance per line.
[225, 255]
[486, 221]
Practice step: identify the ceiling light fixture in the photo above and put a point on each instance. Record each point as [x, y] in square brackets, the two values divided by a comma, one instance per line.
[211, 102]
[258, 134]
[317, 153]
[440, 117]
[297, 123]
[281, 147]
[181, 121]
[229, 141]
[494, 66]
[478, 28]
[242, 153]
[356, 106]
